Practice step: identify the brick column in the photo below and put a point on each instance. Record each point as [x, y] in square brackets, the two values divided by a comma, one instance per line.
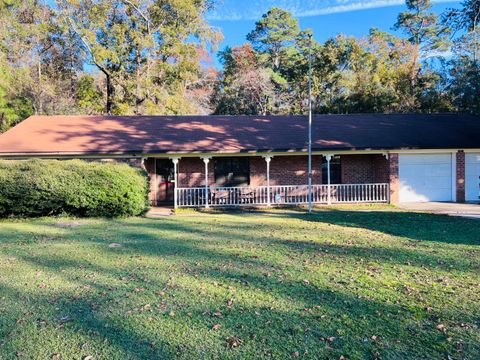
[460, 176]
[393, 178]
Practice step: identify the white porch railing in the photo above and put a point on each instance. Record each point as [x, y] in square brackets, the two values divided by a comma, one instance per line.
[282, 195]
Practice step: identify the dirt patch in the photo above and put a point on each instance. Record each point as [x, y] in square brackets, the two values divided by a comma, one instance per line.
[70, 223]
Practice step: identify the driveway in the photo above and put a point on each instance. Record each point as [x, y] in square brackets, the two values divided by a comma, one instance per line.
[468, 210]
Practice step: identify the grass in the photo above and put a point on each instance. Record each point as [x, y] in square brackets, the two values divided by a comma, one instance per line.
[362, 285]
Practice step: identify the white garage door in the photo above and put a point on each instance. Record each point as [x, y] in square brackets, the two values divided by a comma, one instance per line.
[425, 177]
[472, 174]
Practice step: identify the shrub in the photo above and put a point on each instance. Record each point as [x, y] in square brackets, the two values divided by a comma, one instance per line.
[74, 187]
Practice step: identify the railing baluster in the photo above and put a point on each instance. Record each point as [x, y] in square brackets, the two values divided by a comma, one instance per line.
[289, 194]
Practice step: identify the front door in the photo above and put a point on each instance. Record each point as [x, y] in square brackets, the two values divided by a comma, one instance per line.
[165, 185]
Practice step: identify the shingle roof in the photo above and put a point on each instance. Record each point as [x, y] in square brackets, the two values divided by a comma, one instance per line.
[184, 134]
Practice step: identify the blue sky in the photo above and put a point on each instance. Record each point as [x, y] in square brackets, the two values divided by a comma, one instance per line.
[236, 18]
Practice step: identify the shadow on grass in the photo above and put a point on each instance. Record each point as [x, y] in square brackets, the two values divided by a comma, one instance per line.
[316, 315]
[189, 250]
[410, 225]
[148, 243]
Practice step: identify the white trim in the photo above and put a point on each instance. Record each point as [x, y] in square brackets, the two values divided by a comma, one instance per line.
[285, 195]
[268, 158]
[329, 158]
[424, 151]
[175, 161]
[239, 154]
[454, 176]
[206, 160]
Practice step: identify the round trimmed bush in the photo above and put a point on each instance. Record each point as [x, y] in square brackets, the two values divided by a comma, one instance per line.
[74, 187]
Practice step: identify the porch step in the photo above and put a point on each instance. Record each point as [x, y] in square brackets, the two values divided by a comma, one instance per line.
[157, 211]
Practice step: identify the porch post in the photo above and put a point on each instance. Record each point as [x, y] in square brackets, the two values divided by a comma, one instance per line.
[175, 181]
[328, 158]
[268, 158]
[206, 160]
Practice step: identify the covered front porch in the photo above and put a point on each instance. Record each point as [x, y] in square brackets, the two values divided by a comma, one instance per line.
[268, 180]
[281, 195]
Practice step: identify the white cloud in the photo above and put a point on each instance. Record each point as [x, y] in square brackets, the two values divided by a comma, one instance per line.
[253, 9]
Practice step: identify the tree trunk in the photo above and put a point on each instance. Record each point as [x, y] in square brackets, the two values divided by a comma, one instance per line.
[39, 92]
[109, 93]
[137, 90]
[414, 70]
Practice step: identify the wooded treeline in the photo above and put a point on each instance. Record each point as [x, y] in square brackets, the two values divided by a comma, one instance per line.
[154, 57]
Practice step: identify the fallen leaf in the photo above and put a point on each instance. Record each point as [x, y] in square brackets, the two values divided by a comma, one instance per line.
[216, 326]
[234, 341]
[441, 327]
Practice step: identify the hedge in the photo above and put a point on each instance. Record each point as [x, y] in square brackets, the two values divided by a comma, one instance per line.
[74, 187]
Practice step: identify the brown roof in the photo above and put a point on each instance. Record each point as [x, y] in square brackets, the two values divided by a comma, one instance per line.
[183, 134]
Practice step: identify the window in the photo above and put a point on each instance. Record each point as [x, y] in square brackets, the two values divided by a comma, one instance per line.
[335, 171]
[232, 171]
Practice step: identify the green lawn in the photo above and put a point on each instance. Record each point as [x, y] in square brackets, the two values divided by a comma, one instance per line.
[362, 285]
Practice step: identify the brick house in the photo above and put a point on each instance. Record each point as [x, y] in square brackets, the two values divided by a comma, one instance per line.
[195, 161]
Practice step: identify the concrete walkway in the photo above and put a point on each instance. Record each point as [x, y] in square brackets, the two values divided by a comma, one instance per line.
[468, 210]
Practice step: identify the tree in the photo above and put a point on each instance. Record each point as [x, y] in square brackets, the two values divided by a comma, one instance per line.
[424, 32]
[466, 19]
[464, 67]
[246, 87]
[465, 85]
[88, 96]
[143, 48]
[276, 31]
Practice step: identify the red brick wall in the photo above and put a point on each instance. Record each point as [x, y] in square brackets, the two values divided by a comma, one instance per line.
[363, 169]
[258, 171]
[191, 172]
[460, 176]
[393, 178]
[149, 165]
[381, 169]
[291, 170]
[284, 170]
